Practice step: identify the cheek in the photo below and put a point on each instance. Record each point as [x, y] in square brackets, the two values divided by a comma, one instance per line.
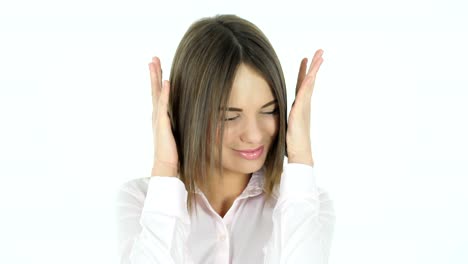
[228, 136]
[272, 127]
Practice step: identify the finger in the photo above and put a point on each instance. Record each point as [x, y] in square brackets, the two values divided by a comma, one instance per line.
[154, 83]
[155, 73]
[158, 71]
[164, 93]
[316, 62]
[163, 102]
[154, 94]
[302, 74]
[313, 69]
[309, 80]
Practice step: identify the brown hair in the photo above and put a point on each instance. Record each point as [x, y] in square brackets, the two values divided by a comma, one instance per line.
[202, 73]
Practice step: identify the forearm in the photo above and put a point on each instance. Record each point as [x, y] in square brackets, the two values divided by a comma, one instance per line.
[302, 159]
[163, 169]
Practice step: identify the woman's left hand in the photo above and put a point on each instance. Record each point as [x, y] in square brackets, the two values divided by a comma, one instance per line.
[298, 131]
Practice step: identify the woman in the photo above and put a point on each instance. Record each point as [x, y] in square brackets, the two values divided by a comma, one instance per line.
[218, 191]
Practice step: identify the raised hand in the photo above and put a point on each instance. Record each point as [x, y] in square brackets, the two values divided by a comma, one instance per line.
[166, 158]
[298, 133]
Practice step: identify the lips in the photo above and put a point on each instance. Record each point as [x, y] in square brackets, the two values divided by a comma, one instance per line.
[250, 150]
[251, 154]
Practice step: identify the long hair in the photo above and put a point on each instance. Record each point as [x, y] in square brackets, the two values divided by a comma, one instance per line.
[201, 78]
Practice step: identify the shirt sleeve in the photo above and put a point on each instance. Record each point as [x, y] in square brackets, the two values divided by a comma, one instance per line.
[154, 228]
[303, 220]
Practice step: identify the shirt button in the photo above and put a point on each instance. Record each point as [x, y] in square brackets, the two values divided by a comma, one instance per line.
[222, 237]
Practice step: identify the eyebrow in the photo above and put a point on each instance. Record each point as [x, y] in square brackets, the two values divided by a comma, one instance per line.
[235, 109]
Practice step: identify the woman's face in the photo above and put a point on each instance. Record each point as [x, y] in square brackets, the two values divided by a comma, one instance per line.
[251, 122]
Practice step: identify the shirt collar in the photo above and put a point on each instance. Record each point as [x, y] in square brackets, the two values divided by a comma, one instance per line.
[255, 185]
[253, 188]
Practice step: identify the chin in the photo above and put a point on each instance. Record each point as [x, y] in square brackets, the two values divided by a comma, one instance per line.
[246, 166]
[249, 169]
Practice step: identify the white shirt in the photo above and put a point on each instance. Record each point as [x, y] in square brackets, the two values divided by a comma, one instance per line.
[295, 226]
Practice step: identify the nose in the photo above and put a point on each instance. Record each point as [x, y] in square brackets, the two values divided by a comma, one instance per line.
[252, 132]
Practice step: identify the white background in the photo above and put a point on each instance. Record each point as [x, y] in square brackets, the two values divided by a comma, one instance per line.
[389, 121]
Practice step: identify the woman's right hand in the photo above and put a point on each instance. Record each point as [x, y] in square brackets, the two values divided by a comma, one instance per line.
[166, 158]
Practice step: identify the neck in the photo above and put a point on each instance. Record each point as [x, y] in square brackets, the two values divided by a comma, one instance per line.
[222, 194]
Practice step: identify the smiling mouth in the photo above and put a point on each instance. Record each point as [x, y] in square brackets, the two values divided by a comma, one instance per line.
[252, 154]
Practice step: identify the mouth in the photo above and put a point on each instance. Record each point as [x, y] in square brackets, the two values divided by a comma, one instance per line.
[251, 154]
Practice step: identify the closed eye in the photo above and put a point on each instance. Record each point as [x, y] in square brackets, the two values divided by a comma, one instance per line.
[275, 111]
[230, 119]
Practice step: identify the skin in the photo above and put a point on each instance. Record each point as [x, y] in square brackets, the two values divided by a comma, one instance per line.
[250, 128]
[253, 131]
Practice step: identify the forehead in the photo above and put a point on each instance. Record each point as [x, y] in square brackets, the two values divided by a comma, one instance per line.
[249, 87]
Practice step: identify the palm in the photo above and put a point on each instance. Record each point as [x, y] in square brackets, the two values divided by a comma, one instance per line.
[165, 148]
[298, 134]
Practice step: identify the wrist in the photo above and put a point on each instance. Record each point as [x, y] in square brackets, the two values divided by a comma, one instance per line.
[164, 169]
[302, 160]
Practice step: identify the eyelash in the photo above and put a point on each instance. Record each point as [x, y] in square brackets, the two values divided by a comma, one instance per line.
[274, 112]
